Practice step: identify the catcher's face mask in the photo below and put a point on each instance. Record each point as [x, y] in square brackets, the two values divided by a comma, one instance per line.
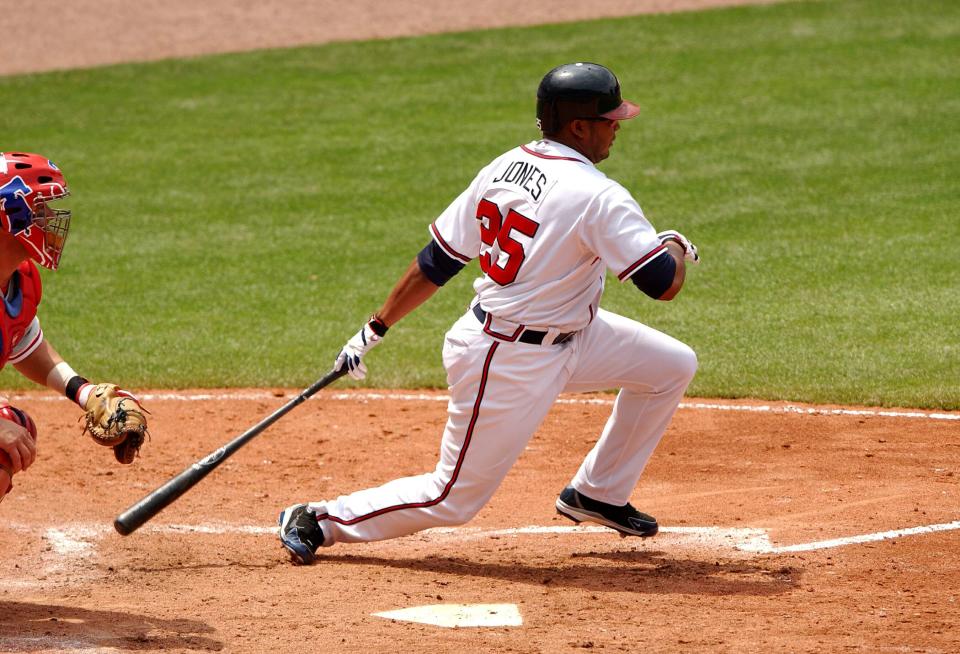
[28, 184]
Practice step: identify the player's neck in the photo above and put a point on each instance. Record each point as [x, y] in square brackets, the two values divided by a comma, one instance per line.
[571, 142]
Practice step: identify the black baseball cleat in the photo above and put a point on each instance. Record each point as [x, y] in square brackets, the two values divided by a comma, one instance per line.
[625, 519]
[300, 533]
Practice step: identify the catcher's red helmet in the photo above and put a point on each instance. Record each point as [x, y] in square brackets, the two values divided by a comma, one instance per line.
[28, 183]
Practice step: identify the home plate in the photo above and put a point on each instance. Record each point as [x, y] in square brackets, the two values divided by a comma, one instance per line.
[459, 615]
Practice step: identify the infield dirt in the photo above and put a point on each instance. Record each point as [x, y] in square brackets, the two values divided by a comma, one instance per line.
[83, 33]
[729, 486]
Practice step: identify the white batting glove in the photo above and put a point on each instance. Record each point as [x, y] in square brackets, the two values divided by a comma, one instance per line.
[689, 249]
[353, 352]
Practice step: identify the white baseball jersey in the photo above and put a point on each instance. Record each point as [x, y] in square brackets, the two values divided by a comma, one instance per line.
[546, 224]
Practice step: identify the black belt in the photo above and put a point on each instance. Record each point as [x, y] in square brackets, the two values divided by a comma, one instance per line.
[529, 336]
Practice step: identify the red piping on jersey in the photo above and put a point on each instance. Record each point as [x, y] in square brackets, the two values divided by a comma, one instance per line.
[446, 246]
[27, 351]
[503, 337]
[456, 469]
[550, 156]
[642, 261]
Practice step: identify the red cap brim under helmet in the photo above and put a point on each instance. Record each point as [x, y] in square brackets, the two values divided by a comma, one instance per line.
[626, 110]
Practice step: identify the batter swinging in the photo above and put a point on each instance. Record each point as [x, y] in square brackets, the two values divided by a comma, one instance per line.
[545, 225]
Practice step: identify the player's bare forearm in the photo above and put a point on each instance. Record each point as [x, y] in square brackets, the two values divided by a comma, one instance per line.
[679, 275]
[410, 292]
[38, 365]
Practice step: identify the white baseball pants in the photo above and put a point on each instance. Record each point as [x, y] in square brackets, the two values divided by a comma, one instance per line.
[500, 392]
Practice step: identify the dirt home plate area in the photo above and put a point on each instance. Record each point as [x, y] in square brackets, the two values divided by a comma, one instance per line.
[784, 528]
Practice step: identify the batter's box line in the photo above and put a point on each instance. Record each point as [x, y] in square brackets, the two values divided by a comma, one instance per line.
[427, 397]
[852, 540]
[79, 540]
[745, 539]
[708, 406]
[711, 537]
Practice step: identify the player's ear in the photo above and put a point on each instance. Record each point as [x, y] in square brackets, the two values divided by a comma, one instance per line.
[578, 128]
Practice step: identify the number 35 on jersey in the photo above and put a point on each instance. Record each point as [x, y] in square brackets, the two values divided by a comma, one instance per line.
[502, 254]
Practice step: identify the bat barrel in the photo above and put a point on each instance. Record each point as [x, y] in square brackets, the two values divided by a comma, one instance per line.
[131, 519]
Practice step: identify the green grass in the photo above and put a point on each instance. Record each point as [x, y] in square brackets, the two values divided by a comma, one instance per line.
[237, 217]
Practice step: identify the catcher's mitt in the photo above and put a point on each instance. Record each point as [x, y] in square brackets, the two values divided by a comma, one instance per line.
[115, 419]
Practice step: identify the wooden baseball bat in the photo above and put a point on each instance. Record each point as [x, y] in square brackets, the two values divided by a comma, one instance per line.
[154, 502]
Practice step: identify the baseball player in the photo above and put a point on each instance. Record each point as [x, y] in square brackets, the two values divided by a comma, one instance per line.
[545, 224]
[33, 232]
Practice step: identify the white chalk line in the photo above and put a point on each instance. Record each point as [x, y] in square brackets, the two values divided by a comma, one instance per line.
[862, 538]
[52, 644]
[78, 541]
[72, 544]
[72, 541]
[364, 396]
[744, 539]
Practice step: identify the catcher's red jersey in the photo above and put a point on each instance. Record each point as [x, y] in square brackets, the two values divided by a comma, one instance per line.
[20, 300]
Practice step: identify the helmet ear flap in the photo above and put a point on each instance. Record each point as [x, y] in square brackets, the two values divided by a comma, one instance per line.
[548, 117]
[555, 123]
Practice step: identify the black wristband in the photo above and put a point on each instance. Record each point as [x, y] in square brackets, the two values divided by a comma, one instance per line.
[378, 326]
[73, 386]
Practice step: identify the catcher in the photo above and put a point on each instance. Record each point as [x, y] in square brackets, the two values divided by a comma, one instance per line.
[33, 232]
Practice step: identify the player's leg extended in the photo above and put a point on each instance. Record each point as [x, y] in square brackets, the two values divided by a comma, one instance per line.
[652, 370]
[499, 395]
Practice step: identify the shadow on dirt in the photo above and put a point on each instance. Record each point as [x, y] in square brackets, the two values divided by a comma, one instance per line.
[621, 572]
[26, 627]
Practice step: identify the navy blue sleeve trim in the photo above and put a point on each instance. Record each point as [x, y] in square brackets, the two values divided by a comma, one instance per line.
[656, 277]
[437, 265]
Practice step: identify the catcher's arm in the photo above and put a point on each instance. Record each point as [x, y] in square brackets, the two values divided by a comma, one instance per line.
[18, 439]
[113, 417]
[18, 444]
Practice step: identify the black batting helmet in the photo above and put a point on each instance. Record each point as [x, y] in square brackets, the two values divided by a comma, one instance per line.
[580, 90]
